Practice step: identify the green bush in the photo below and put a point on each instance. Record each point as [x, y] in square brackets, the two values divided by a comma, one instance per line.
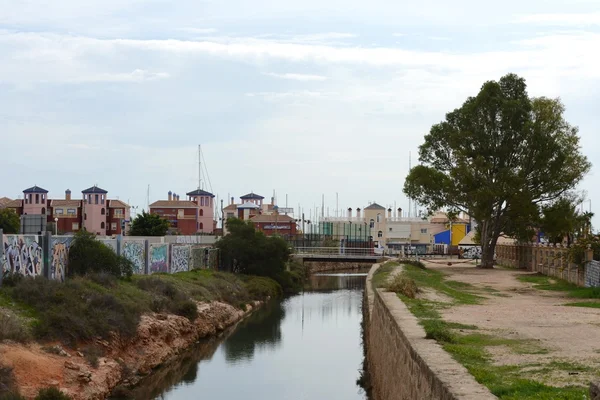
[51, 393]
[13, 328]
[414, 263]
[403, 285]
[88, 255]
[7, 385]
[11, 279]
[185, 308]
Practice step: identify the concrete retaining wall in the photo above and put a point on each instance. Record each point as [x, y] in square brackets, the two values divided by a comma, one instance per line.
[330, 266]
[405, 365]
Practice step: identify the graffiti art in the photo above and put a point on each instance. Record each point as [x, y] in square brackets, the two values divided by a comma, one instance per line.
[22, 255]
[158, 258]
[180, 258]
[59, 257]
[134, 252]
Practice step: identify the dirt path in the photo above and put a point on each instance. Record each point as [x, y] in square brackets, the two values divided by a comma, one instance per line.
[516, 310]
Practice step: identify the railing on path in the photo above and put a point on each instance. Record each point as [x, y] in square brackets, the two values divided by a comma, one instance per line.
[338, 252]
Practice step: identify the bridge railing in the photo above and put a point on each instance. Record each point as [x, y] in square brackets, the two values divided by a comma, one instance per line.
[338, 251]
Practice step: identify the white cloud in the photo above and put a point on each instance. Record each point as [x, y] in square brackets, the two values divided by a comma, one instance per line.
[297, 77]
[136, 76]
[198, 30]
[561, 19]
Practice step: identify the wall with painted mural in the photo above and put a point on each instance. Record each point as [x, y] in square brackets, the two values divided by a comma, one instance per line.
[110, 243]
[180, 258]
[59, 256]
[158, 261]
[22, 255]
[134, 252]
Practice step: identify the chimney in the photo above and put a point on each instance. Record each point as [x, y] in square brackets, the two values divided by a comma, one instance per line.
[231, 199]
[358, 213]
[178, 197]
[170, 195]
[389, 213]
[68, 194]
[349, 212]
[400, 213]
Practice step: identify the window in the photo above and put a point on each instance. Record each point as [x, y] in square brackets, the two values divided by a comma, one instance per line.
[119, 213]
[201, 225]
[102, 199]
[379, 234]
[102, 212]
[229, 215]
[202, 201]
[113, 226]
[43, 210]
[390, 229]
[97, 198]
[201, 213]
[378, 218]
[85, 217]
[71, 211]
[372, 224]
[75, 226]
[58, 211]
[102, 225]
[37, 198]
[423, 230]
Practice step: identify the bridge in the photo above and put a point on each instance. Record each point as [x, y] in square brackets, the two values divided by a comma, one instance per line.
[338, 254]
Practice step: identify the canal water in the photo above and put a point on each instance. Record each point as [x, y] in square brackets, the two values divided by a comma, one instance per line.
[307, 347]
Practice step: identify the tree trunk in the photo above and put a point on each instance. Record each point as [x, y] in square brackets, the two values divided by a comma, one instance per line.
[488, 245]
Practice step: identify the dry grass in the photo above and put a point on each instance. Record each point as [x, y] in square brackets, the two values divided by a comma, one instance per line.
[403, 285]
[13, 327]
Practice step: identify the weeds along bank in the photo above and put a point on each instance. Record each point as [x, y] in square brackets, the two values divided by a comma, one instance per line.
[90, 334]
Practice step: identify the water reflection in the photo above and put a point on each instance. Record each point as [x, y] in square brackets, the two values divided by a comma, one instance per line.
[306, 347]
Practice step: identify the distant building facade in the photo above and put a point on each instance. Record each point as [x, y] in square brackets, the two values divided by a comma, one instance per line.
[266, 216]
[190, 216]
[94, 212]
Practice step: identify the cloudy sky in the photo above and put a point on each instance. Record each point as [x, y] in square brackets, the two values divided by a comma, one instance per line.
[302, 97]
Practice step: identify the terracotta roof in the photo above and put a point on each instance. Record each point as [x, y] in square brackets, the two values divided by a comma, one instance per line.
[231, 207]
[35, 189]
[252, 196]
[173, 204]
[14, 204]
[272, 218]
[65, 203]
[200, 192]
[375, 206]
[117, 204]
[4, 201]
[94, 189]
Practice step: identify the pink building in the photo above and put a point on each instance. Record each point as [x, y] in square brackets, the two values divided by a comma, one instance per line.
[34, 202]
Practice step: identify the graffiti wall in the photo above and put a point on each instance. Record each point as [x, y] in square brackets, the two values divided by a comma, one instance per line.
[159, 261]
[22, 255]
[180, 258]
[471, 251]
[134, 252]
[59, 256]
[111, 243]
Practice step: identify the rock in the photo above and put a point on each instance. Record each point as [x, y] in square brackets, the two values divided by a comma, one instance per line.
[54, 383]
[72, 365]
[79, 354]
[85, 376]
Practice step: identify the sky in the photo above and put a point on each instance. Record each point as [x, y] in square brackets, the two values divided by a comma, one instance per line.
[301, 98]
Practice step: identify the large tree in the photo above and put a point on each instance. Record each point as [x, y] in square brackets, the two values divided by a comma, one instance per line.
[562, 219]
[9, 220]
[498, 157]
[146, 224]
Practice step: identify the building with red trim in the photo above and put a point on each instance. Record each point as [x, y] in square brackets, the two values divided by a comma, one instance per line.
[187, 217]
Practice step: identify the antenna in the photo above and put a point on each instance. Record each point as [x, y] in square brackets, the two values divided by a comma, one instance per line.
[323, 206]
[199, 167]
[409, 168]
[148, 198]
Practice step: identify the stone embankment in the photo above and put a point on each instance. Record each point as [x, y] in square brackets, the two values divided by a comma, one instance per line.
[159, 339]
[402, 363]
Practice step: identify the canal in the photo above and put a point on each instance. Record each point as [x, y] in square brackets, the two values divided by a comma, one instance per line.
[307, 346]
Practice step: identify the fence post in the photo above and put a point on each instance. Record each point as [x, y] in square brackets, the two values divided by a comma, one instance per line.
[46, 249]
[1, 255]
[119, 244]
[147, 257]
[589, 257]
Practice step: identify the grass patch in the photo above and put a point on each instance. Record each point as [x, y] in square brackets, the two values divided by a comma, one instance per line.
[84, 308]
[588, 304]
[458, 291]
[12, 327]
[543, 282]
[380, 276]
[403, 285]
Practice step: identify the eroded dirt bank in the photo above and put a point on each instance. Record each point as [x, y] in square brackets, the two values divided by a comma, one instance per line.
[159, 338]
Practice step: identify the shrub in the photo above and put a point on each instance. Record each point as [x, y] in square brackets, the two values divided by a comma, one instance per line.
[92, 354]
[11, 396]
[103, 279]
[13, 328]
[7, 383]
[403, 285]
[414, 263]
[261, 288]
[11, 279]
[88, 255]
[438, 330]
[185, 308]
[51, 393]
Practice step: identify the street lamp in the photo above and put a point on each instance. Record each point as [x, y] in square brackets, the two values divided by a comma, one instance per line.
[56, 225]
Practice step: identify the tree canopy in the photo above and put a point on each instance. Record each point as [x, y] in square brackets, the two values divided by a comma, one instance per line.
[498, 157]
[88, 255]
[248, 251]
[146, 224]
[9, 220]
